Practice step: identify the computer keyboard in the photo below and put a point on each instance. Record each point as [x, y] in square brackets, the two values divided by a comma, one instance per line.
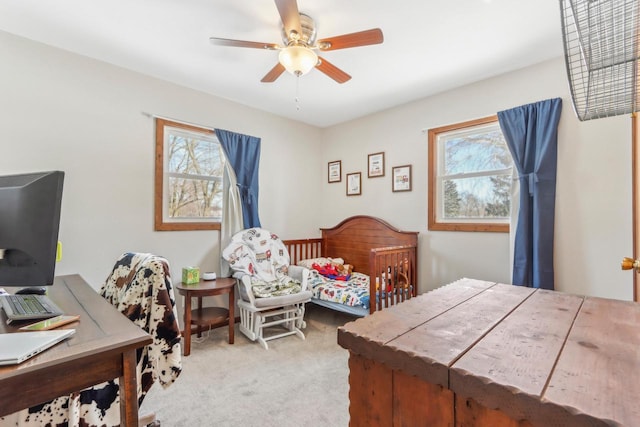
[30, 304]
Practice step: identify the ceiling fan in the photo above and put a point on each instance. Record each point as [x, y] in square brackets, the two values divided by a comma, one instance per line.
[298, 53]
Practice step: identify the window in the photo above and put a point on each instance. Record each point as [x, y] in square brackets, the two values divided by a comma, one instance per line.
[189, 177]
[470, 177]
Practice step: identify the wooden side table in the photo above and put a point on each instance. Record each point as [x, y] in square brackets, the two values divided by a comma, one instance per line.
[212, 317]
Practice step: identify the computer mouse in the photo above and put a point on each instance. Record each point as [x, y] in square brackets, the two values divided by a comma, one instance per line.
[32, 291]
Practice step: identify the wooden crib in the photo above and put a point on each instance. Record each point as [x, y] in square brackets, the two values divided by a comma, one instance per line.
[375, 248]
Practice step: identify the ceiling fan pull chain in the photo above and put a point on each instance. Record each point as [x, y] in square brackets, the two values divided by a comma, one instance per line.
[298, 92]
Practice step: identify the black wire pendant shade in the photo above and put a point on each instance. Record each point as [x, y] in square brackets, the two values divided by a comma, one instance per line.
[601, 54]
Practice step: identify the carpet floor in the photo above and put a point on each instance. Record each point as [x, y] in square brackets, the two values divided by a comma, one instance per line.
[294, 383]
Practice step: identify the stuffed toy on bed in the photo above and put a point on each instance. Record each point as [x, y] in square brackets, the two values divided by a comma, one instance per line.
[334, 271]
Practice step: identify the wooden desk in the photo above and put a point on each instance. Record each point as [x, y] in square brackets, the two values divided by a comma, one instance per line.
[208, 316]
[103, 348]
[475, 353]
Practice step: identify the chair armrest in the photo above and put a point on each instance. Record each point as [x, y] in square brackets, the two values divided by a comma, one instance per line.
[244, 283]
[301, 274]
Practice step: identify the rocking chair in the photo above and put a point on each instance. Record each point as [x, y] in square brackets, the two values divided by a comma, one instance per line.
[272, 292]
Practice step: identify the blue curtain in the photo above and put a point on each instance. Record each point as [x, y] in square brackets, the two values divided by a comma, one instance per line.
[243, 154]
[531, 132]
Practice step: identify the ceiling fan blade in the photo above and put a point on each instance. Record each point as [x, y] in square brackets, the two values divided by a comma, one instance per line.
[332, 71]
[290, 16]
[273, 74]
[362, 38]
[243, 43]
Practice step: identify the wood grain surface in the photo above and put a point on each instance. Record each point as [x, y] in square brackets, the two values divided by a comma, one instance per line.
[480, 354]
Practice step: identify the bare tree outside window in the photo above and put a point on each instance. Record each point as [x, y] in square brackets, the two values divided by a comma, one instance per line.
[189, 177]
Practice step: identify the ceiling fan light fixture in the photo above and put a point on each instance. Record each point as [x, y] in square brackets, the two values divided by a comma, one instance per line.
[299, 48]
[298, 60]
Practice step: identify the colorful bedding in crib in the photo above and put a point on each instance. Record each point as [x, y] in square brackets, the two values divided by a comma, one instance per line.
[353, 293]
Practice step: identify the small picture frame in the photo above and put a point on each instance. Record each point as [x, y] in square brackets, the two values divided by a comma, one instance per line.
[334, 172]
[401, 178]
[376, 165]
[354, 184]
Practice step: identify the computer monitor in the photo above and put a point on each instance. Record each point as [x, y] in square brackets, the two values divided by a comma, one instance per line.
[29, 222]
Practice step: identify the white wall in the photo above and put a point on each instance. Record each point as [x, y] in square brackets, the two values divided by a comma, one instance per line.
[593, 200]
[62, 111]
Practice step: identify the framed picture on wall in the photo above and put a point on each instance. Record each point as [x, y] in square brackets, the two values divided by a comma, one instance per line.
[376, 165]
[354, 182]
[335, 171]
[401, 177]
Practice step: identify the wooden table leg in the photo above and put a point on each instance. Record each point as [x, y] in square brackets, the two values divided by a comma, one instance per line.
[200, 315]
[128, 390]
[232, 302]
[187, 325]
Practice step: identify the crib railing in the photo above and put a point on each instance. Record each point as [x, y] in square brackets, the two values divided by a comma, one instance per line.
[392, 270]
[392, 276]
[304, 249]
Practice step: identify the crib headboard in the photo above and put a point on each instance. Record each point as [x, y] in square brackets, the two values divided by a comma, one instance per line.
[354, 238]
[387, 255]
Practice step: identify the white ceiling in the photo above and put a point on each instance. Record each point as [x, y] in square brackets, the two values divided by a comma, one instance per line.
[429, 46]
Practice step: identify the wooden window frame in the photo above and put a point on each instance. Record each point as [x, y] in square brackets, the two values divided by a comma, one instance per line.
[433, 223]
[159, 223]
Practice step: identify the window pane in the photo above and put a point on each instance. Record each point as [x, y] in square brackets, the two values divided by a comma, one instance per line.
[470, 173]
[486, 197]
[189, 177]
[198, 156]
[194, 198]
[478, 150]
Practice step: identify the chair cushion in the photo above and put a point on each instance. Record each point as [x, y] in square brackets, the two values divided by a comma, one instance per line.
[283, 300]
[285, 286]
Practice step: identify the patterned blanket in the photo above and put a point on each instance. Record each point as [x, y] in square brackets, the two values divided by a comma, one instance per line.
[354, 292]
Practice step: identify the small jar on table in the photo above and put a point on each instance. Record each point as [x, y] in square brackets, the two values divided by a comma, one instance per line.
[206, 317]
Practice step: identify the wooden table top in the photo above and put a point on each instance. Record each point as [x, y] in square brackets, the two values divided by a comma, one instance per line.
[221, 284]
[547, 357]
[101, 326]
